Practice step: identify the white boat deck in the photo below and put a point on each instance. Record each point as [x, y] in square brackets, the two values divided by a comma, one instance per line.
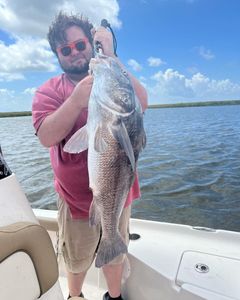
[94, 286]
[164, 261]
[165, 257]
[90, 292]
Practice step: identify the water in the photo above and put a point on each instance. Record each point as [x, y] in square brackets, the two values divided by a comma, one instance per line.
[189, 172]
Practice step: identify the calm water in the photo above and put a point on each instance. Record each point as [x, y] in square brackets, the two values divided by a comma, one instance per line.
[189, 171]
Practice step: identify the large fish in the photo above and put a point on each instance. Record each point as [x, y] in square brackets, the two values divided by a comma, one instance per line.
[114, 136]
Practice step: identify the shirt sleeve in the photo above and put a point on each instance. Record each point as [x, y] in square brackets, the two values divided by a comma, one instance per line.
[47, 99]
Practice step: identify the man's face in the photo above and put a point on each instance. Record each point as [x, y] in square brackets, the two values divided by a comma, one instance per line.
[77, 62]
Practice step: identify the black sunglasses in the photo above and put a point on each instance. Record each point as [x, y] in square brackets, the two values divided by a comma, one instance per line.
[79, 45]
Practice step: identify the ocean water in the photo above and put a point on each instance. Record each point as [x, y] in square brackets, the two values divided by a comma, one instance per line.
[189, 171]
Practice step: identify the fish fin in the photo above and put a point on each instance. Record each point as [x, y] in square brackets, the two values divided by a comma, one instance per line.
[121, 135]
[99, 143]
[78, 142]
[109, 249]
[94, 215]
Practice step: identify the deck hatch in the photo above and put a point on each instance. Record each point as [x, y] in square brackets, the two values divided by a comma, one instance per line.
[214, 273]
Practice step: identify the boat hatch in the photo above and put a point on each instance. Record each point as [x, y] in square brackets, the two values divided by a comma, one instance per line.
[213, 273]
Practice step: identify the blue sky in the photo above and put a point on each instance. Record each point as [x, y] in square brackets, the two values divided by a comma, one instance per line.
[181, 50]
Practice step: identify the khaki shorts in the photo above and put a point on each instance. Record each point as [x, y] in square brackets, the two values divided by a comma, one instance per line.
[77, 241]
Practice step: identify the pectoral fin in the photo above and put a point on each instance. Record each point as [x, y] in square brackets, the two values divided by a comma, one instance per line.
[121, 135]
[78, 142]
[99, 143]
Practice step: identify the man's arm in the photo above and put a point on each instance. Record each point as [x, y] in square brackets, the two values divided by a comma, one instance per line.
[57, 125]
[140, 92]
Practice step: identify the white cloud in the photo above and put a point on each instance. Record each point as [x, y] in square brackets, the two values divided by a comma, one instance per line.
[192, 70]
[134, 65]
[172, 86]
[27, 17]
[25, 55]
[29, 91]
[4, 93]
[205, 53]
[171, 83]
[155, 61]
[7, 99]
[11, 100]
[5, 76]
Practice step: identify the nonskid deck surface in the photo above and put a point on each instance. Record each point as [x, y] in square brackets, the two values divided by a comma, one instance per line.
[170, 248]
[90, 292]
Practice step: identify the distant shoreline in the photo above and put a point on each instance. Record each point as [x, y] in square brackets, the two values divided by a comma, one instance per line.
[196, 104]
[184, 104]
[15, 114]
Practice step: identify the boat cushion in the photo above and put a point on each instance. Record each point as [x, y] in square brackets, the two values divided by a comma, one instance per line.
[18, 279]
[34, 240]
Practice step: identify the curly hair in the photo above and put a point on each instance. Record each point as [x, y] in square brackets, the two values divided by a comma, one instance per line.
[57, 31]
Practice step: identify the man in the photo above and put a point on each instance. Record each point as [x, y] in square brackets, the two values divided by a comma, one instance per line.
[60, 109]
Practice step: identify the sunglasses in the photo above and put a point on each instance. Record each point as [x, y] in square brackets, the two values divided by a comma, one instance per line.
[79, 45]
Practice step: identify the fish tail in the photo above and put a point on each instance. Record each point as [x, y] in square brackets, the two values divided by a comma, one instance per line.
[94, 215]
[109, 249]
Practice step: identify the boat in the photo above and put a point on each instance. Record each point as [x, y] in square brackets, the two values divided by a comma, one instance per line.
[168, 261]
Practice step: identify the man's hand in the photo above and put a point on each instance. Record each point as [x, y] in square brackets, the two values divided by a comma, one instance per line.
[105, 38]
[82, 90]
[56, 126]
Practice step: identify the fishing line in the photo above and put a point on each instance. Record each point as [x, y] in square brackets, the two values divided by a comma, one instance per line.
[98, 46]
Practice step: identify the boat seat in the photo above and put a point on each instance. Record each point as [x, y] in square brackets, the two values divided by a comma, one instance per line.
[27, 258]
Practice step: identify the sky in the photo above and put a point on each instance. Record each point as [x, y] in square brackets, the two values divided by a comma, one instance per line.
[180, 50]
